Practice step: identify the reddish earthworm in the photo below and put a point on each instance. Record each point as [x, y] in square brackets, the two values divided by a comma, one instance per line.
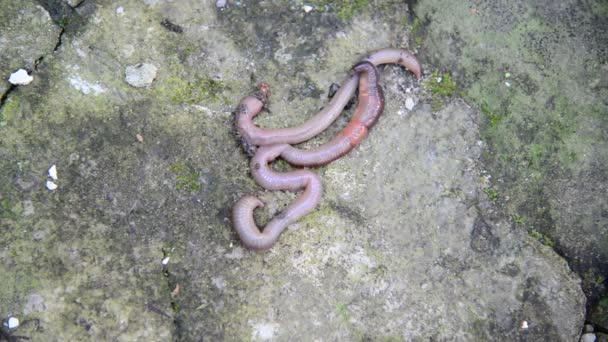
[275, 143]
[369, 108]
[371, 103]
[251, 135]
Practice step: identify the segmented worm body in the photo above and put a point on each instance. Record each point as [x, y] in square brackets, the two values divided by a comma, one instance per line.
[369, 108]
[274, 143]
[242, 213]
[256, 136]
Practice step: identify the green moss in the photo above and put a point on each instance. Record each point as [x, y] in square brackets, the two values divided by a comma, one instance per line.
[9, 110]
[63, 22]
[197, 90]
[441, 84]
[441, 87]
[313, 218]
[415, 34]
[349, 8]
[187, 177]
[342, 311]
[542, 238]
[6, 211]
[491, 193]
[517, 219]
[492, 118]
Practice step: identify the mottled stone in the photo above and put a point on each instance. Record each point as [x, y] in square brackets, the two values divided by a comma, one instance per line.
[407, 243]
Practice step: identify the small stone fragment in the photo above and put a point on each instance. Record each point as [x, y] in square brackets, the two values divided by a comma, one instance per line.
[51, 185]
[409, 103]
[588, 337]
[74, 3]
[140, 75]
[508, 84]
[307, 8]
[139, 138]
[20, 77]
[53, 172]
[165, 260]
[120, 10]
[524, 324]
[13, 322]
[220, 3]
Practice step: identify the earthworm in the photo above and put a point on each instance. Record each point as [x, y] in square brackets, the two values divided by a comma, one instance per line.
[251, 135]
[275, 143]
[371, 103]
[242, 213]
[369, 108]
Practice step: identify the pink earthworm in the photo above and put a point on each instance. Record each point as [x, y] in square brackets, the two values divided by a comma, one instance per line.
[275, 143]
[251, 135]
[370, 106]
[242, 213]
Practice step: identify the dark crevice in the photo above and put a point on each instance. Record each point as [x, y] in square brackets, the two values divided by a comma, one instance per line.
[66, 18]
[5, 96]
[59, 41]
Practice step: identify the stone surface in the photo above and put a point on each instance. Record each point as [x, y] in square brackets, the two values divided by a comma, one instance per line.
[407, 243]
[547, 132]
[27, 33]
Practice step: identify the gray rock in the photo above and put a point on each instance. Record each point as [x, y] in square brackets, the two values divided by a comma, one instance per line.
[140, 75]
[404, 246]
[549, 159]
[28, 33]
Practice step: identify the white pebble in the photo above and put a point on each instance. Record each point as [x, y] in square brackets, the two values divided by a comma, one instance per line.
[20, 77]
[439, 79]
[120, 10]
[53, 172]
[307, 8]
[51, 185]
[524, 324]
[220, 3]
[165, 260]
[13, 322]
[409, 103]
[588, 337]
[507, 75]
[508, 84]
[140, 75]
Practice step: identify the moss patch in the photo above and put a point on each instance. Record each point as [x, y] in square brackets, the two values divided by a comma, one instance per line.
[187, 178]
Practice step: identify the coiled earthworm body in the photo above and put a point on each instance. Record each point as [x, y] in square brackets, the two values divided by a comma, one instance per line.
[242, 213]
[371, 103]
[369, 108]
[255, 136]
[274, 143]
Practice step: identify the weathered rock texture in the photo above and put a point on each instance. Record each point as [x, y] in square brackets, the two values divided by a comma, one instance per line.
[539, 72]
[407, 244]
